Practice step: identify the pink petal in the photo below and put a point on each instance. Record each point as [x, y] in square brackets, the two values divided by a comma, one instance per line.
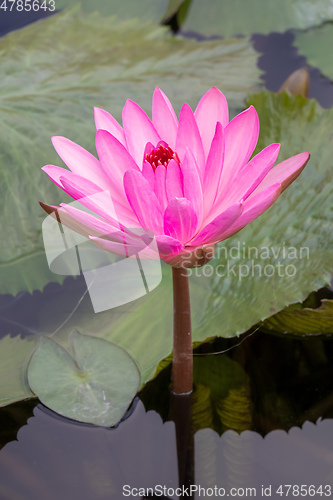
[89, 195]
[115, 160]
[125, 250]
[95, 226]
[188, 136]
[92, 224]
[55, 173]
[138, 130]
[62, 217]
[103, 202]
[112, 246]
[285, 172]
[214, 231]
[213, 170]
[143, 201]
[89, 225]
[114, 157]
[148, 174]
[80, 161]
[192, 184]
[249, 178]
[255, 206]
[180, 220]
[148, 147]
[76, 186]
[164, 118]
[160, 191]
[168, 245]
[174, 181]
[212, 108]
[105, 121]
[241, 136]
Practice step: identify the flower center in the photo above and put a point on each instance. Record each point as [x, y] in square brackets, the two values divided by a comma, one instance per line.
[162, 155]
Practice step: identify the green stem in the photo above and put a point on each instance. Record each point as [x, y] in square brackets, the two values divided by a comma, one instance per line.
[182, 364]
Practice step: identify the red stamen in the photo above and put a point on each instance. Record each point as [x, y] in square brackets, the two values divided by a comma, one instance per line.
[161, 155]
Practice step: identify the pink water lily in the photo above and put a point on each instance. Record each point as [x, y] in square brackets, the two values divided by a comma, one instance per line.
[190, 181]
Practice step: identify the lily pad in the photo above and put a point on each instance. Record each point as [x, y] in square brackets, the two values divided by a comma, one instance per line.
[299, 320]
[243, 17]
[51, 79]
[93, 382]
[145, 10]
[314, 44]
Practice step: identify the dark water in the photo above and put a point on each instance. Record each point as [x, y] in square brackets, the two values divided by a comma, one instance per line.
[13, 19]
[260, 416]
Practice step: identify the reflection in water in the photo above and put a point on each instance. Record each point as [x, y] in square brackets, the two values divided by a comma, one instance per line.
[181, 411]
[55, 458]
[302, 456]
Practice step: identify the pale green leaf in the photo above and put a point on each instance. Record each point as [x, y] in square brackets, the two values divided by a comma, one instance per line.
[298, 320]
[93, 382]
[243, 17]
[145, 10]
[315, 45]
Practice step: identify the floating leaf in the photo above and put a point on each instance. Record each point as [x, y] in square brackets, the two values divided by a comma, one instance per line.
[297, 320]
[14, 356]
[314, 44]
[93, 382]
[243, 17]
[51, 79]
[145, 10]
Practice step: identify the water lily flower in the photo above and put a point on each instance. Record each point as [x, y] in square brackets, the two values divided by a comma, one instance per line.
[189, 181]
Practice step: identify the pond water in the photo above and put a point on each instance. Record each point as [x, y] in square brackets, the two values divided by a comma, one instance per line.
[261, 415]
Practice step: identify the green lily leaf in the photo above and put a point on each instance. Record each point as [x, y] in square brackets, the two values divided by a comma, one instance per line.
[243, 17]
[93, 382]
[53, 73]
[145, 10]
[14, 357]
[299, 320]
[314, 44]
